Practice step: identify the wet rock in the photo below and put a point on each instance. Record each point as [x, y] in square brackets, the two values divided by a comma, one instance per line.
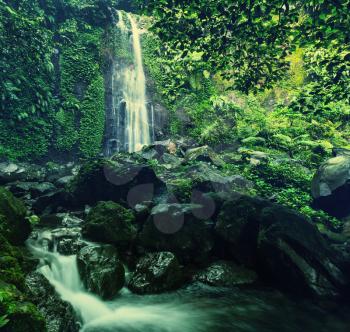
[11, 172]
[64, 181]
[205, 154]
[119, 180]
[70, 246]
[109, 222]
[331, 186]
[59, 219]
[174, 227]
[13, 223]
[34, 188]
[156, 273]
[254, 157]
[226, 274]
[67, 240]
[59, 315]
[101, 270]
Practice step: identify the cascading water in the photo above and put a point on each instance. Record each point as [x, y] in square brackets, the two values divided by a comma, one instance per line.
[97, 315]
[128, 123]
[197, 308]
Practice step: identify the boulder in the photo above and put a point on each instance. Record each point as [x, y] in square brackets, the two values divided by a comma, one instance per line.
[237, 228]
[109, 222]
[331, 186]
[13, 223]
[206, 179]
[205, 154]
[170, 161]
[282, 246]
[174, 227]
[52, 202]
[101, 270]
[35, 189]
[59, 315]
[156, 273]
[103, 180]
[225, 274]
[158, 149]
[294, 255]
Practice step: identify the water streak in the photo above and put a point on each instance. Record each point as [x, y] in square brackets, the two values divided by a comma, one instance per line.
[130, 114]
[97, 315]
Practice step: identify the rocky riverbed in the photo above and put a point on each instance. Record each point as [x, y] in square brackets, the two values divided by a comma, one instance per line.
[123, 244]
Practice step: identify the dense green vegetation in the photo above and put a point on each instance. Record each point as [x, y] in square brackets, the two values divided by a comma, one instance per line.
[51, 86]
[258, 97]
[287, 95]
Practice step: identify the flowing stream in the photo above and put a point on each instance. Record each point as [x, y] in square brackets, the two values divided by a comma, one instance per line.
[97, 315]
[130, 124]
[195, 308]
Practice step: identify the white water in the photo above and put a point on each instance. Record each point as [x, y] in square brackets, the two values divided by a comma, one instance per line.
[97, 315]
[133, 85]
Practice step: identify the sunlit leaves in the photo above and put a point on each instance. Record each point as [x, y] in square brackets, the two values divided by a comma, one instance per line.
[249, 40]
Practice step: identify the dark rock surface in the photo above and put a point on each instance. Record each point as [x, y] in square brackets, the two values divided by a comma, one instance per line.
[225, 274]
[101, 270]
[59, 315]
[282, 246]
[174, 227]
[119, 180]
[156, 273]
[13, 223]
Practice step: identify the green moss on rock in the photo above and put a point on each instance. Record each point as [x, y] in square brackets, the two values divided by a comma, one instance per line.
[22, 315]
[109, 222]
[13, 224]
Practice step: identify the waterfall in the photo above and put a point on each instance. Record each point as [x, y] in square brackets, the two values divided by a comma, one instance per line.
[123, 314]
[129, 120]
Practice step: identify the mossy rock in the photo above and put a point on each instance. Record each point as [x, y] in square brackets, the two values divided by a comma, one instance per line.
[12, 263]
[22, 316]
[109, 222]
[113, 180]
[13, 224]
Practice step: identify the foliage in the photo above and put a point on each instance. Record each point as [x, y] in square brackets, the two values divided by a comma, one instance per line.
[249, 40]
[92, 119]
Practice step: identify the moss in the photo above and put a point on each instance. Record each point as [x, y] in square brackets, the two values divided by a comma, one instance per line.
[181, 188]
[110, 222]
[13, 224]
[22, 315]
[10, 269]
[92, 119]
